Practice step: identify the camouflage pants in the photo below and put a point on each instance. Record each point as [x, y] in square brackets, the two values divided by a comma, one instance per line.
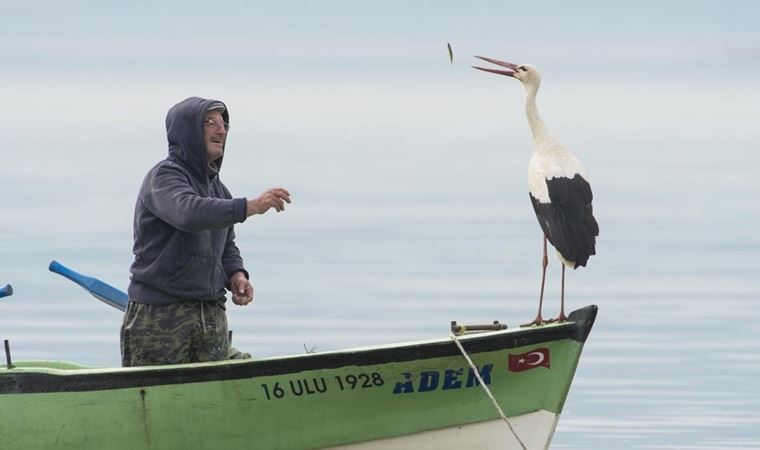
[174, 334]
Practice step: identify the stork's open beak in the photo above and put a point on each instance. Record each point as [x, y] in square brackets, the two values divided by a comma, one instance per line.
[509, 73]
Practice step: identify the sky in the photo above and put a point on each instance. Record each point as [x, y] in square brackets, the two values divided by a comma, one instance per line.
[355, 103]
[334, 37]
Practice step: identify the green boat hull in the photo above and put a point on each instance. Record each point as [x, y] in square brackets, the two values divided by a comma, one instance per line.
[394, 395]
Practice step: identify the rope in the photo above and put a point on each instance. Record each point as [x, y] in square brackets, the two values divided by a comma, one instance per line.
[488, 391]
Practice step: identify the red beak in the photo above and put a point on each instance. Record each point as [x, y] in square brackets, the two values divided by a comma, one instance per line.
[509, 73]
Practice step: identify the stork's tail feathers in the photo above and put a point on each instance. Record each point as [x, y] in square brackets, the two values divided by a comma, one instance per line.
[583, 244]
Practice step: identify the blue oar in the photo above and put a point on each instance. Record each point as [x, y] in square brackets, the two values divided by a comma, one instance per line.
[98, 289]
[6, 291]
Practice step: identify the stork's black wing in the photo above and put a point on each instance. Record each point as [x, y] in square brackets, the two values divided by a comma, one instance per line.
[568, 219]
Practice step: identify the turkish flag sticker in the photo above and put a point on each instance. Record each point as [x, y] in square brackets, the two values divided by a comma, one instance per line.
[525, 361]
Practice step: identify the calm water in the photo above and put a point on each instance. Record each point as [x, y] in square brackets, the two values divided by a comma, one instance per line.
[416, 214]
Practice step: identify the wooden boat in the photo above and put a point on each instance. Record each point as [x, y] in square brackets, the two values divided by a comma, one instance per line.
[413, 395]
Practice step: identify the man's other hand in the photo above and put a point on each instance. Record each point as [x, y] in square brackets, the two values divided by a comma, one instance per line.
[242, 289]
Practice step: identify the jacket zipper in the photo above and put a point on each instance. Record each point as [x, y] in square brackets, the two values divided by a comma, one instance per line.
[213, 251]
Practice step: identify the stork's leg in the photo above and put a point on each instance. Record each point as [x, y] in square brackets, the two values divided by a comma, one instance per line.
[562, 317]
[544, 262]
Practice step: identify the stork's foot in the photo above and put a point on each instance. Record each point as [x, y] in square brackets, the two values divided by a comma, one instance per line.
[535, 322]
[561, 318]
[538, 321]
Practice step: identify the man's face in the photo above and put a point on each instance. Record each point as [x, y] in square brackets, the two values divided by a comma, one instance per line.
[216, 134]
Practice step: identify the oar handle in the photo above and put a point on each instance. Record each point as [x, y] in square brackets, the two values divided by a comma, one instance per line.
[6, 291]
[76, 277]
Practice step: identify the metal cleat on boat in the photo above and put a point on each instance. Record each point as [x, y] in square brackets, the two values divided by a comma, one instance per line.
[463, 329]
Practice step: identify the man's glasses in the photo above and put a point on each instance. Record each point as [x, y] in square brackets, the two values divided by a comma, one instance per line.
[215, 124]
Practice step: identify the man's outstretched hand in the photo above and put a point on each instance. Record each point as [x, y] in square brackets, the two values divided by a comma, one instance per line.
[272, 198]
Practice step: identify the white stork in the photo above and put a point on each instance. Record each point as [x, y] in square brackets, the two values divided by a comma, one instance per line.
[558, 186]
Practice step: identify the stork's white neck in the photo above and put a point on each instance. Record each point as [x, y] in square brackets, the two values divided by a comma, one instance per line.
[542, 137]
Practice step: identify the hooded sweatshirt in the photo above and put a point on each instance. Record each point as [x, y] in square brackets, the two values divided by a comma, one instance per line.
[184, 243]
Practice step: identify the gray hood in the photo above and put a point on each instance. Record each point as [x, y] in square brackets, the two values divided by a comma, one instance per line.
[186, 134]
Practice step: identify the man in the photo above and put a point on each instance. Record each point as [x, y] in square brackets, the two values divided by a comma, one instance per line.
[184, 245]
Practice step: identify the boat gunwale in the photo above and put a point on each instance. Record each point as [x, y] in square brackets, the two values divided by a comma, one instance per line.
[36, 379]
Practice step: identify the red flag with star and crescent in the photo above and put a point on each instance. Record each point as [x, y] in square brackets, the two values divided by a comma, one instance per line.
[529, 360]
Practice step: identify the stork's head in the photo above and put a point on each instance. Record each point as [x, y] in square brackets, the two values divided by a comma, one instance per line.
[526, 73]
